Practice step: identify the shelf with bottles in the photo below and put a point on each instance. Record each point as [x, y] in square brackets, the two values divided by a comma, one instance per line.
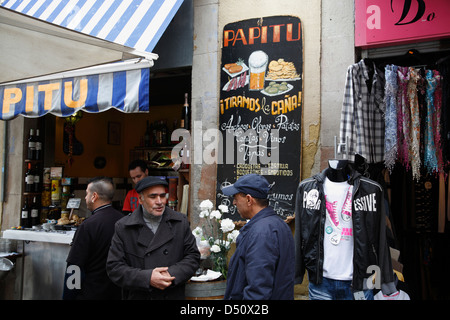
[33, 174]
[34, 146]
[30, 213]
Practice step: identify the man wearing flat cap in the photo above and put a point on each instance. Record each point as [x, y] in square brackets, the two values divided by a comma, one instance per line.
[153, 251]
[262, 267]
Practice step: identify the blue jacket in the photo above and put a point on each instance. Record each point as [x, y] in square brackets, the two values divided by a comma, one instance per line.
[262, 267]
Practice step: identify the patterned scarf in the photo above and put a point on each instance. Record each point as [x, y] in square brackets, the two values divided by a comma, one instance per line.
[414, 147]
[403, 117]
[430, 159]
[390, 117]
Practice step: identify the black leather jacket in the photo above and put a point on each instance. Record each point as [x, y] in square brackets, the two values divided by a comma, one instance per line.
[369, 228]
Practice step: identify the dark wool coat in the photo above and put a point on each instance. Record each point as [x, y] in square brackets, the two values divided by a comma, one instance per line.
[135, 251]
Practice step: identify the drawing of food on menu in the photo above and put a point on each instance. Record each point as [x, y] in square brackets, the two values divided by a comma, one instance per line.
[258, 64]
[275, 88]
[277, 73]
[280, 70]
[235, 68]
[238, 75]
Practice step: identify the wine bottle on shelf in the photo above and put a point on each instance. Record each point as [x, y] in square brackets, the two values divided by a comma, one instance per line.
[29, 179]
[31, 152]
[25, 220]
[34, 213]
[186, 114]
[37, 180]
[38, 146]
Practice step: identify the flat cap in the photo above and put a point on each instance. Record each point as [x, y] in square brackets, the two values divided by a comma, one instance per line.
[148, 182]
[253, 184]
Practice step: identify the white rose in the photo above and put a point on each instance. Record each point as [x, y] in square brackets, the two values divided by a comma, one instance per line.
[226, 225]
[204, 214]
[232, 236]
[215, 214]
[197, 232]
[215, 248]
[223, 208]
[206, 205]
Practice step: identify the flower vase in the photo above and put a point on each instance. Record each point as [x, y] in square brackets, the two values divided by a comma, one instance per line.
[208, 290]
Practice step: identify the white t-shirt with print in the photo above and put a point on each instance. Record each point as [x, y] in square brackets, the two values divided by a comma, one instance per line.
[338, 232]
[399, 295]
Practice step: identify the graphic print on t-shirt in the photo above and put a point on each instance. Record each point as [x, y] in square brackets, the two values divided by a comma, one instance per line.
[335, 216]
[331, 208]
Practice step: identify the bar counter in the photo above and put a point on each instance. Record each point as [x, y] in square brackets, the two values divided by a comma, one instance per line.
[41, 268]
[64, 237]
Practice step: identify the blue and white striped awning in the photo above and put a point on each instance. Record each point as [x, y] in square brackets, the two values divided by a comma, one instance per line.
[123, 86]
[137, 24]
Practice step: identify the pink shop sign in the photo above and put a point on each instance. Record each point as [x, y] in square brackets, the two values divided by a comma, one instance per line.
[385, 22]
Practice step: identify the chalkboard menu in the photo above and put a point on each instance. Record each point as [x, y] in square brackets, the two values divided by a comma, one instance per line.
[260, 112]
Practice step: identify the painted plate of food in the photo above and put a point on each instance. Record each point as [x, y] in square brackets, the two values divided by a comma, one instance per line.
[235, 68]
[275, 88]
[280, 70]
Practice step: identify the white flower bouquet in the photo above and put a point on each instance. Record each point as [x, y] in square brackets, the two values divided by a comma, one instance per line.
[215, 235]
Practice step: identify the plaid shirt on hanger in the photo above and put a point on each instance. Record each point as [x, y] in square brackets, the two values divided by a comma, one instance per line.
[362, 116]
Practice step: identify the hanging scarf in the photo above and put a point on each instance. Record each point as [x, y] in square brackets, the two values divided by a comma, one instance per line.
[430, 159]
[414, 147]
[403, 117]
[438, 124]
[390, 117]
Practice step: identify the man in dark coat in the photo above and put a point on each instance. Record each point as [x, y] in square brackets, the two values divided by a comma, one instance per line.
[262, 267]
[90, 246]
[153, 252]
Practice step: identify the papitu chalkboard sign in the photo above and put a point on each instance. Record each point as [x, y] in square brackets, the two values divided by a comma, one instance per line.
[260, 112]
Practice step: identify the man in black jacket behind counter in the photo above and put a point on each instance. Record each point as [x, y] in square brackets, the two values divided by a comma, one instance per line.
[86, 277]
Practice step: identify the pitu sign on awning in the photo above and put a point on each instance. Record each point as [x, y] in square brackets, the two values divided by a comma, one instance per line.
[92, 90]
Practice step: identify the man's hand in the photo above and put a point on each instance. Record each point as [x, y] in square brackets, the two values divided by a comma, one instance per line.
[161, 278]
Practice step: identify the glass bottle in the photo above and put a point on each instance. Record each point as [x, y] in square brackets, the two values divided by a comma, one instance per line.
[35, 219]
[186, 114]
[29, 179]
[38, 146]
[31, 151]
[37, 180]
[25, 220]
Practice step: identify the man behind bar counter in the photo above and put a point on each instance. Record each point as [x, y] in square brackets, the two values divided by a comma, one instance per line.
[138, 170]
[90, 246]
[153, 251]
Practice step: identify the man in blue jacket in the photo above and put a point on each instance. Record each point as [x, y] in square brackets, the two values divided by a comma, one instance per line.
[262, 266]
